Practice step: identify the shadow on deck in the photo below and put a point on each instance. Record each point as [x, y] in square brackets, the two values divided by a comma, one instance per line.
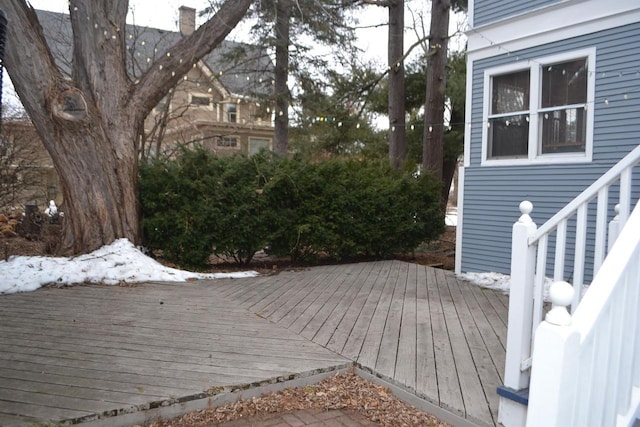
[123, 354]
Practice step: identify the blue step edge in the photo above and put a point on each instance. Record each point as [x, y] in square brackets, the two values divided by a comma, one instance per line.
[519, 396]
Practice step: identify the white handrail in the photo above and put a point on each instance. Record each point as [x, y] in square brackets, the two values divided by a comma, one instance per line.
[590, 193]
[586, 367]
[529, 255]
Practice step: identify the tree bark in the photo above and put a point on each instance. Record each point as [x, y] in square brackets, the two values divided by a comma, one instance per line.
[89, 124]
[432, 154]
[282, 34]
[397, 131]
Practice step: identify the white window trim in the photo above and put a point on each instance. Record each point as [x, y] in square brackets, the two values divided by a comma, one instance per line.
[535, 67]
[201, 95]
[226, 111]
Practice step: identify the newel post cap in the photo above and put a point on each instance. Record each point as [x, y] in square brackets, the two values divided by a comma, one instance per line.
[526, 207]
[561, 295]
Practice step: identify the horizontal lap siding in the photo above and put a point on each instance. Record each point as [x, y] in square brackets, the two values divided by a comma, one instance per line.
[492, 194]
[486, 11]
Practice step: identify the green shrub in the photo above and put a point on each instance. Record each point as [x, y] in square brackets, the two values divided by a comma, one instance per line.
[345, 208]
[199, 204]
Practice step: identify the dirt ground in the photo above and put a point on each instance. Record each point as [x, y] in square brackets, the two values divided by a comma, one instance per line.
[343, 391]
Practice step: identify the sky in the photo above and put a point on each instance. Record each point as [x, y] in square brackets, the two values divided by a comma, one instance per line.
[372, 40]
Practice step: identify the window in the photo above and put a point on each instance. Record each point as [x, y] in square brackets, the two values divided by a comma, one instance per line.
[509, 119]
[540, 112]
[232, 113]
[258, 144]
[228, 141]
[563, 107]
[201, 100]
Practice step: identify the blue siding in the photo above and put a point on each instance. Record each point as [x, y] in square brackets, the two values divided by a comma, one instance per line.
[492, 194]
[487, 11]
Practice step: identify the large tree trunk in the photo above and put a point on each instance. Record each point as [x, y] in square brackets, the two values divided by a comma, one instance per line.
[432, 154]
[397, 131]
[89, 123]
[104, 207]
[282, 30]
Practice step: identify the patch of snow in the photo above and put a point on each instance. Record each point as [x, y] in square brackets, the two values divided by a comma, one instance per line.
[499, 282]
[451, 217]
[118, 262]
[451, 220]
[502, 282]
[496, 281]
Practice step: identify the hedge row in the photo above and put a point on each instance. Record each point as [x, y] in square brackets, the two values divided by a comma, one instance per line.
[199, 204]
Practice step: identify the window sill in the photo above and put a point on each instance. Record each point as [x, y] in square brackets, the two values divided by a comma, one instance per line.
[541, 160]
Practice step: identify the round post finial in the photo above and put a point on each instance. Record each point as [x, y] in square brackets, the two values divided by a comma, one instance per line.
[561, 295]
[526, 207]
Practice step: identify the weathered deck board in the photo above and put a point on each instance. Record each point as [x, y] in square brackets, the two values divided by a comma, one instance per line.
[426, 376]
[322, 296]
[449, 388]
[371, 345]
[405, 369]
[389, 345]
[478, 390]
[73, 352]
[335, 319]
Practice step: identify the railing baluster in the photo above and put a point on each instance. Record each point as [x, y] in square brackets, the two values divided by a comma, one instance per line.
[561, 245]
[625, 195]
[538, 289]
[578, 263]
[601, 229]
[614, 228]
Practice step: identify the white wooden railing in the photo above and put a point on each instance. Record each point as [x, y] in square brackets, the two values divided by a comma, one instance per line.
[530, 246]
[586, 366]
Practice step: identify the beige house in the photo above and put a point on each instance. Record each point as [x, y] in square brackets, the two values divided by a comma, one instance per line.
[221, 104]
[27, 175]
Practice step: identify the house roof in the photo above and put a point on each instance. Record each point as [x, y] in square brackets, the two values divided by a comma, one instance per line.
[244, 70]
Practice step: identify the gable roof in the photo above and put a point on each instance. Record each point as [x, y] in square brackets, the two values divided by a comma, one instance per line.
[244, 70]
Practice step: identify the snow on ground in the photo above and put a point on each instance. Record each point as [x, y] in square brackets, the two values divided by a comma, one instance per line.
[499, 282]
[451, 218]
[118, 262]
[502, 282]
[496, 281]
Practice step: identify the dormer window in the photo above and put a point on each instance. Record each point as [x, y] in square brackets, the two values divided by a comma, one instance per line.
[232, 112]
[200, 100]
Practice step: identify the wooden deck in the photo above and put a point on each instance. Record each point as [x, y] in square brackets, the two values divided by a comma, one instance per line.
[76, 353]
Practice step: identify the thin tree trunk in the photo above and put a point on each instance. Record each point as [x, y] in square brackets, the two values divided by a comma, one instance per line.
[432, 154]
[282, 29]
[397, 131]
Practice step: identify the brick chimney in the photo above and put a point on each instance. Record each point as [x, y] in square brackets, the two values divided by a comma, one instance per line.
[187, 20]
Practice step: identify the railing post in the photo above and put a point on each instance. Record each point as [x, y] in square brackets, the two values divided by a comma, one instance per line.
[523, 261]
[614, 229]
[553, 360]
